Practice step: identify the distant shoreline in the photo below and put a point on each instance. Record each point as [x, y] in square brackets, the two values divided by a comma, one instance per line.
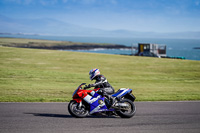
[78, 47]
[56, 45]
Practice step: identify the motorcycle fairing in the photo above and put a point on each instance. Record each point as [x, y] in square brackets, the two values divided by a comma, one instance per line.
[96, 107]
[122, 92]
[78, 100]
[96, 102]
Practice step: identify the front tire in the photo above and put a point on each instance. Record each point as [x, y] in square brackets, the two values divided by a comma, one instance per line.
[76, 111]
[129, 112]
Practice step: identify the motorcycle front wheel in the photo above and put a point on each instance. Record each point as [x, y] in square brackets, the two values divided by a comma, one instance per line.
[127, 112]
[76, 111]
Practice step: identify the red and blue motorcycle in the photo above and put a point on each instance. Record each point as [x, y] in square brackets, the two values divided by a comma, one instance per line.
[88, 102]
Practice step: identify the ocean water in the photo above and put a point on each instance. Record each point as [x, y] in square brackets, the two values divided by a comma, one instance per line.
[175, 47]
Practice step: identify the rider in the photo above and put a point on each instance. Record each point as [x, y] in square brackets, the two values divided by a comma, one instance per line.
[101, 82]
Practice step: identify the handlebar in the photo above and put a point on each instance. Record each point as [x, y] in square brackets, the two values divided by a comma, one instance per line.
[86, 87]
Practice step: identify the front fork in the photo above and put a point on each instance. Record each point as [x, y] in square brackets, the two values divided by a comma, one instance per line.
[80, 105]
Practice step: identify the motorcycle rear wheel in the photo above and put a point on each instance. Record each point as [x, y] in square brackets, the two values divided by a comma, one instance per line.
[127, 113]
[75, 111]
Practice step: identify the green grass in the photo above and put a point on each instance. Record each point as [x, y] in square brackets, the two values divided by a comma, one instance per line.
[30, 75]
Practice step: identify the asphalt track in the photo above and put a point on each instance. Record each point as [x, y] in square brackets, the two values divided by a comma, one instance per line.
[151, 117]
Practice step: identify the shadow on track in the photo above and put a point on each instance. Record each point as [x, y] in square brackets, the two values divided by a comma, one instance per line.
[50, 115]
[69, 116]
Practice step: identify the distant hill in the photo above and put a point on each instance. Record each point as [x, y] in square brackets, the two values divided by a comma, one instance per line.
[48, 26]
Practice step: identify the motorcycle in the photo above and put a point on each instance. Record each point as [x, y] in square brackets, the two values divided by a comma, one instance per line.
[87, 102]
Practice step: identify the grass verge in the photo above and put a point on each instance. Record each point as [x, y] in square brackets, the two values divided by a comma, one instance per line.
[30, 75]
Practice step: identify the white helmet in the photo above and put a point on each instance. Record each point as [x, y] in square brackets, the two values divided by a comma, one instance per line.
[93, 73]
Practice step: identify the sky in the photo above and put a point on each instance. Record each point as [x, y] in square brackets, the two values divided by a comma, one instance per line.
[134, 15]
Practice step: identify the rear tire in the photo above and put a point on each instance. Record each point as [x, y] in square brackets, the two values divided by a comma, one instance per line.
[75, 111]
[130, 112]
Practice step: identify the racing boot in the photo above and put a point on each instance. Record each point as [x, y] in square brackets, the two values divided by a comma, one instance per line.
[111, 101]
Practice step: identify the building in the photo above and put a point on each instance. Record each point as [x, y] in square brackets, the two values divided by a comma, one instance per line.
[152, 50]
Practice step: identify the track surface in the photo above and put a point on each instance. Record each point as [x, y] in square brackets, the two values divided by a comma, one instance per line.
[151, 117]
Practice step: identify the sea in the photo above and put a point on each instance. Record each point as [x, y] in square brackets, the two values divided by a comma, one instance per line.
[175, 47]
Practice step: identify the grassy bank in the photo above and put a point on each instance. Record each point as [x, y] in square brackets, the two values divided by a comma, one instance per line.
[47, 44]
[29, 75]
